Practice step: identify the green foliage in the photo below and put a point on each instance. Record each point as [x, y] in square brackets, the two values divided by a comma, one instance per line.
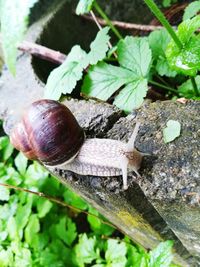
[14, 20]
[37, 232]
[138, 60]
[168, 3]
[63, 79]
[158, 41]
[191, 10]
[187, 59]
[186, 89]
[84, 6]
[172, 131]
[161, 256]
[102, 80]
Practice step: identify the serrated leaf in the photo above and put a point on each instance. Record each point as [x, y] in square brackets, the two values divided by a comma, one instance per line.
[4, 193]
[6, 258]
[96, 224]
[116, 253]
[172, 131]
[66, 230]
[103, 80]
[85, 249]
[23, 258]
[43, 207]
[12, 228]
[158, 41]
[162, 255]
[32, 228]
[163, 68]
[99, 47]
[21, 163]
[84, 6]
[132, 96]
[23, 213]
[191, 10]
[64, 78]
[186, 89]
[137, 257]
[134, 54]
[14, 20]
[187, 59]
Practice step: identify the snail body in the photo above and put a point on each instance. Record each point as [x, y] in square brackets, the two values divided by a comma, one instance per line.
[49, 133]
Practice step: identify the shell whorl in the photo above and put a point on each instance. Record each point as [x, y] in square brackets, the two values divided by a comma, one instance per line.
[48, 132]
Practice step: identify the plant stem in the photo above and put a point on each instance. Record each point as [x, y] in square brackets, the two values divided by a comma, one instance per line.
[104, 16]
[195, 86]
[164, 87]
[57, 201]
[160, 16]
[162, 80]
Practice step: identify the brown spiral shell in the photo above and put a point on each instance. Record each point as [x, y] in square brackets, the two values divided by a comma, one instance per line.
[48, 132]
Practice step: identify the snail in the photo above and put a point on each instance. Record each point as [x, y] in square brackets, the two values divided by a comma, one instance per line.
[49, 133]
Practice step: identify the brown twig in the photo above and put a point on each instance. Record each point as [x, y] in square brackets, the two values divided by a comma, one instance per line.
[42, 52]
[126, 25]
[57, 201]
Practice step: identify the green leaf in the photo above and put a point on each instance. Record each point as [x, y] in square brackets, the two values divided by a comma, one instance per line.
[158, 41]
[21, 163]
[23, 213]
[137, 257]
[84, 6]
[36, 174]
[4, 193]
[6, 147]
[132, 96]
[99, 47]
[32, 228]
[66, 230]
[162, 255]
[64, 78]
[103, 80]
[187, 59]
[23, 258]
[74, 200]
[191, 10]
[3, 236]
[167, 3]
[85, 249]
[116, 253]
[6, 258]
[172, 131]
[134, 54]
[186, 89]
[12, 228]
[3, 142]
[14, 20]
[96, 225]
[43, 207]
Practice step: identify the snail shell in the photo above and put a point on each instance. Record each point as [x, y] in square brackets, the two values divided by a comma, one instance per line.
[48, 132]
